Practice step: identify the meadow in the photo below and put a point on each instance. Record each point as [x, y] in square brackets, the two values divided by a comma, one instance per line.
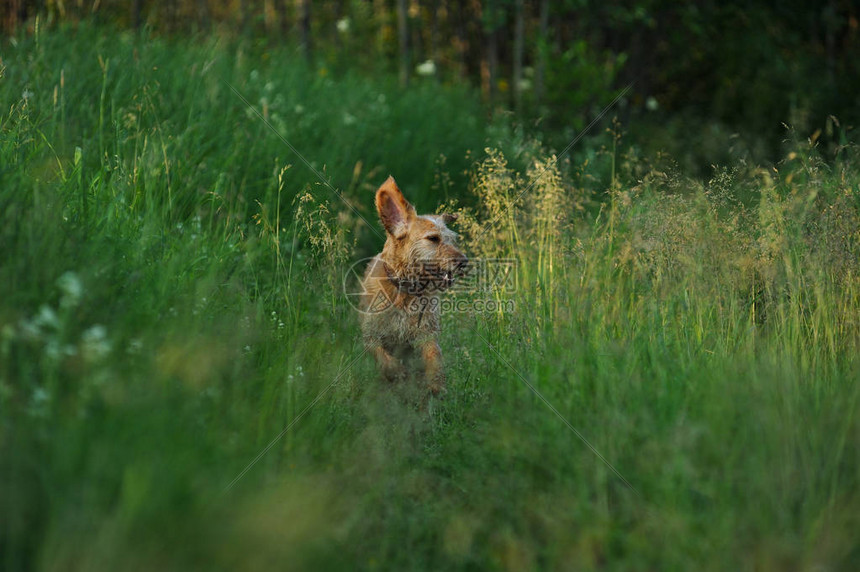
[183, 385]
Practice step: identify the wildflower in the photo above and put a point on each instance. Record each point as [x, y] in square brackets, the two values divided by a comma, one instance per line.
[129, 120]
[27, 94]
[427, 68]
[71, 288]
[94, 343]
[54, 350]
[525, 84]
[40, 396]
[47, 317]
[39, 403]
[651, 103]
[343, 25]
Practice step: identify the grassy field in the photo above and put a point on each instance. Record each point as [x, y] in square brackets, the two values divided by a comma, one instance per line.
[182, 384]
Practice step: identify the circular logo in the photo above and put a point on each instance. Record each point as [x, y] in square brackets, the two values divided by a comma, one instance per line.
[364, 295]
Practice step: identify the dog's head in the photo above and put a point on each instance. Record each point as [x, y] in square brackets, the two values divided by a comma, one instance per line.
[421, 252]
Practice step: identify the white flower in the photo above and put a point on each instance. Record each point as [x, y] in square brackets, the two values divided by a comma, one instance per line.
[651, 103]
[26, 95]
[40, 402]
[94, 343]
[525, 84]
[54, 350]
[343, 25]
[72, 289]
[426, 68]
[40, 395]
[46, 317]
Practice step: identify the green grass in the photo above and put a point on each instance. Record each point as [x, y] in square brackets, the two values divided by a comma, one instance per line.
[171, 300]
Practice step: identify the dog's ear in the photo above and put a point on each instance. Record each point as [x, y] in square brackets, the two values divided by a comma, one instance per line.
[448, 218]
[394, 210]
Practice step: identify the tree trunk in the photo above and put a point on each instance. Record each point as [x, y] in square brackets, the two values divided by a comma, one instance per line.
[492, 63]
[283, 19]
[305, 28]
[338, 14]
[417, 46]
[136, 8]
[171, 15]
[462, 41]
[10, 16]
[519, 32]
[831, 25]
[489, 72]
[543, 47]
[203, 15]
[244, 16]
[434, 36]
[403, 35]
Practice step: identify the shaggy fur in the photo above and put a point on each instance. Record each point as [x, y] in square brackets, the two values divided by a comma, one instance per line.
[401, 288]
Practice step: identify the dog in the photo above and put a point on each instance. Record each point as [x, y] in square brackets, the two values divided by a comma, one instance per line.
[401, 288]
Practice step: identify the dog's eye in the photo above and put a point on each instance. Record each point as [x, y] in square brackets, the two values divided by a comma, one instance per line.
[434, 238]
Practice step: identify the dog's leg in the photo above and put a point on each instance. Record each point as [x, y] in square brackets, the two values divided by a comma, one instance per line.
[432, 356]
[391, 367]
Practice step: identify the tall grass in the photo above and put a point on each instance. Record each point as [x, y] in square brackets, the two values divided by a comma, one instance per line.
[170, 302]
